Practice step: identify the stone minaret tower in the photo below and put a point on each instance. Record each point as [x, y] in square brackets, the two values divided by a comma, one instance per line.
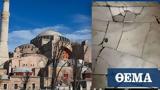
[4, 33]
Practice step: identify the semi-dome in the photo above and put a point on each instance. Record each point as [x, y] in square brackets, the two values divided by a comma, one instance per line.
[49, 33]
[27, 45]
[27, 49]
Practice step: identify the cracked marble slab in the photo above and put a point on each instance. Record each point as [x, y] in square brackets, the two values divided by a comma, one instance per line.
[129, 16]
[115, 59]
[122, 10]
[113, 34]
[148, 14]
[99, 25]
[132, 41]
[152, 46]
[121, 60]
[101, 13]
[101, 81]
[98, 37]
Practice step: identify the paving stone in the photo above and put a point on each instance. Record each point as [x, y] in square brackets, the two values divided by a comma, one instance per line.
[155, 26]
[100, 63]
[114, 59]
[152, 46]
[130, 16]
[132, 41]
[101, 13]
[101, 66]
[118, 18]
[95, 51]
[101, 79]
[148, 14]
[148, 64]
[116, 10]
[127, 14]
[113, 34]
[129, 26]
[135, 10]
[97, 37]
[99, 25]
[138, 45]
[117, 59]
[130, 4]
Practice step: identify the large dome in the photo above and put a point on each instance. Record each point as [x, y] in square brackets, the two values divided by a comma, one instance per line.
[49, 33]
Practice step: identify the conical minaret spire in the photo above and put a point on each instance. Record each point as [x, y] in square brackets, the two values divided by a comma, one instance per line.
[4, 33]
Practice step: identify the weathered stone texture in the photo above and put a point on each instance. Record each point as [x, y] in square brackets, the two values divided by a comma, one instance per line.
[132, 41]
[133, 37]
[152, 46]
[101, 13]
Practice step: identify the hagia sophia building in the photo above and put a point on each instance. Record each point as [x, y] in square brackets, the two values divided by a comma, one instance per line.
[30, 66]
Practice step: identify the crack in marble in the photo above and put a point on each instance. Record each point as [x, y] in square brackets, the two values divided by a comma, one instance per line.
[133, 56]
[123, 11]
[145, 40]
[157, 19]
[109, 56]
[104, 40]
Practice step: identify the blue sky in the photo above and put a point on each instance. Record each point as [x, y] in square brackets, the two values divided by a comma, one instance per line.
[28, 18]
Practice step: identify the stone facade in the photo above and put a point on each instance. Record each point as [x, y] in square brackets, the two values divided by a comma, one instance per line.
[31, 65]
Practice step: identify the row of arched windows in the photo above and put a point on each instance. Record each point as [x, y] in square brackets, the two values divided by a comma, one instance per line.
[64, 39]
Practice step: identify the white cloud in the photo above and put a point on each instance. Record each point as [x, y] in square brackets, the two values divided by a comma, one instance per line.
[80, 18]
[20, 37]
[79, 35]
[84, 31]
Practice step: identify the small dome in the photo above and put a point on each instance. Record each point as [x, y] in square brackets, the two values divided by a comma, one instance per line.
[49, 33]
[26, 45]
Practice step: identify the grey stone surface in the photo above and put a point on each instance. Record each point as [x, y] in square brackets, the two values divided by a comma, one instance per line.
[114, 59]
[148, 64]
[152, 46]
[124, 3]
[128, 26]
[101, 79]
[118, 18]
[101, 66]
[99, 69]
[113, 34]
[127, 14]
[116, 10]
[130, 16]
[148, 14]
[95, 51]
[99, 25]
[121, 60]
[132, 41]
[100, 63]
[97, 37]
[101, 13]
[130, 4]
[136, 10]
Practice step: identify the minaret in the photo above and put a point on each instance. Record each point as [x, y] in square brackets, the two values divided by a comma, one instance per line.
[4, 33]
